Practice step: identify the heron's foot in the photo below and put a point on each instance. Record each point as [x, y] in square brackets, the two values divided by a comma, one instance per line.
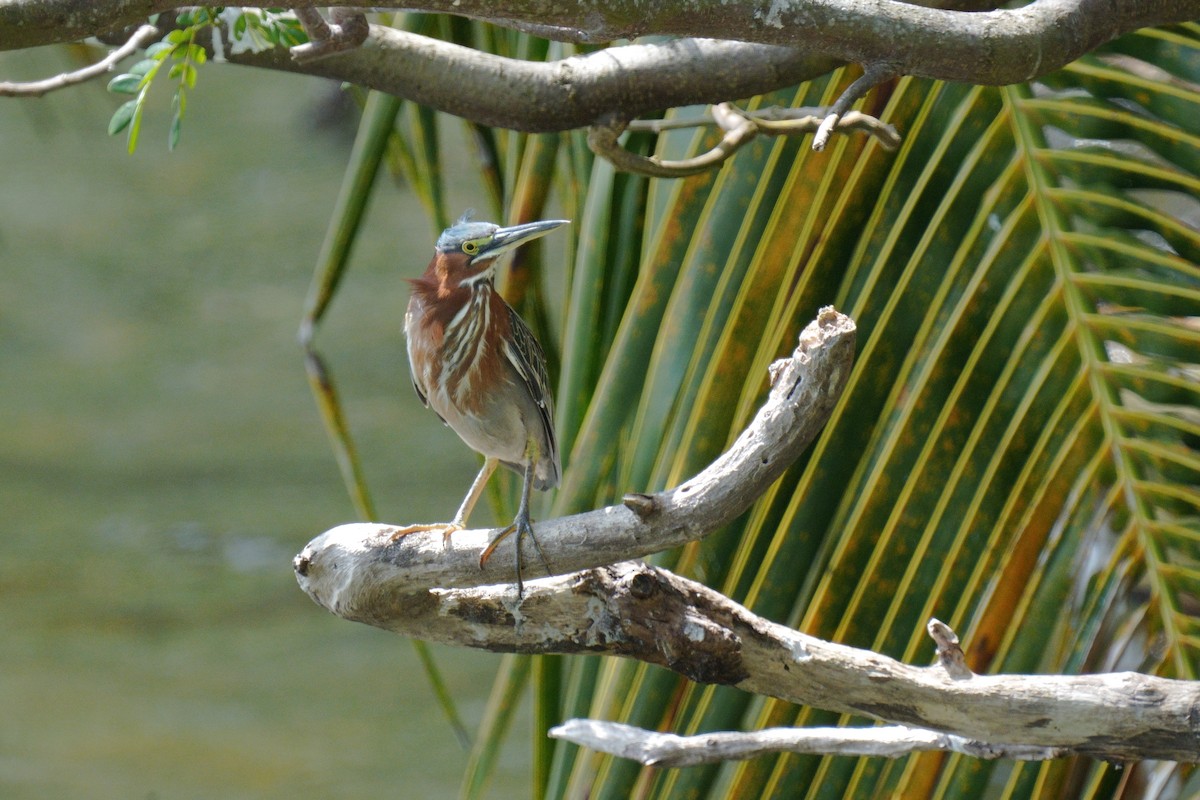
[447, 529]
[522, 526]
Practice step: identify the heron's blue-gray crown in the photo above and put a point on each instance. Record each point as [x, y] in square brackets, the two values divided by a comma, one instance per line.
[464, 231]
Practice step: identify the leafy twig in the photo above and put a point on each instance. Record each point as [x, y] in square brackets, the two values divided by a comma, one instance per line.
[182, 49]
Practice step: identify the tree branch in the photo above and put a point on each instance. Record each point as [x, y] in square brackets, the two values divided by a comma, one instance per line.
[655, 749]
[140, 38]
[342, 564]
[997, 47]
[574, 92]
[641, 612]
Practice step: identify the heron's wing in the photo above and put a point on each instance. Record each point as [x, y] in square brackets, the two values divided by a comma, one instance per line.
[526, 356]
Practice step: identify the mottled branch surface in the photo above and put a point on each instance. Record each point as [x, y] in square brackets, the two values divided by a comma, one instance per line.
[637, 611]
[641, 612]
[769, 44]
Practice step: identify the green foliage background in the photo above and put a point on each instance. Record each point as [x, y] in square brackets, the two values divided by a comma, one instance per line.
[1017, 453]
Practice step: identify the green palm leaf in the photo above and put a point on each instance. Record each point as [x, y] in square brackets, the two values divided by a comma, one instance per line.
[1017, 452]
[1023, 405]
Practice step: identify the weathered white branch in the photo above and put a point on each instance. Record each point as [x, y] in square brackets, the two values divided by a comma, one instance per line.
[637, 611]
[342, 565]
[641, 612]
[655, 749]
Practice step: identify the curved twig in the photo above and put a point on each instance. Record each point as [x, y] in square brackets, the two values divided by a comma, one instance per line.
[140, 38]
[740, 127]
[604, 140]
[873, 75]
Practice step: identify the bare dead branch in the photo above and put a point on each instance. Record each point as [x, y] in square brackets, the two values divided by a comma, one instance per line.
[655, 749]
[633, 610]
[140, 38]
[649, 614]
[804, 389]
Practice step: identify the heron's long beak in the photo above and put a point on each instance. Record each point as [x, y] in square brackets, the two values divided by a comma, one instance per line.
[505, 239]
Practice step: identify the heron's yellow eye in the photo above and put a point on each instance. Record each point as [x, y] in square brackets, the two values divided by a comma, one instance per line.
[470, 248]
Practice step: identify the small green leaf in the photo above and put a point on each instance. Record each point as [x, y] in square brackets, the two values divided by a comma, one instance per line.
[197, 54]
[135, 126]
[142, 67]
[177, 36]
[121, 117]
[173, 133]
[155, 49]
[125, 84]
[185, 73]
[292, 35]
[239, 26]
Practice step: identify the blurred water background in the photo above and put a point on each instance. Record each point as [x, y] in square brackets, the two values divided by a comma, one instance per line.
[162, 458]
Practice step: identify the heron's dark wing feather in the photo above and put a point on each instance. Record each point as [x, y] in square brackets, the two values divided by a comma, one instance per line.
[530, 362]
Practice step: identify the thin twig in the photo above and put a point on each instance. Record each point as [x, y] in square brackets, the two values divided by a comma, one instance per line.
[603, 139]
[740, 128]
[873, 75]
[140, 38]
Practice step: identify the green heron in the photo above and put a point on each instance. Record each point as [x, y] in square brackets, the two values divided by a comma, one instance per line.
[477, 364]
